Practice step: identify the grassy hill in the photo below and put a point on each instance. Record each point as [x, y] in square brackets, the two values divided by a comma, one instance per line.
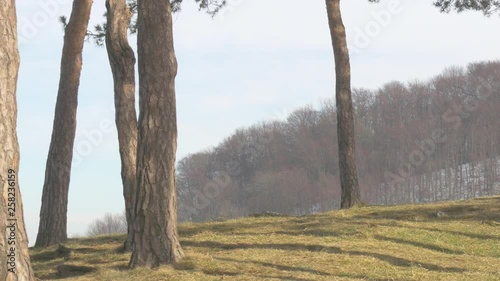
[442, 241]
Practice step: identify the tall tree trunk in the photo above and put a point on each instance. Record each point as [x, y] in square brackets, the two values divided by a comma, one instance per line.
[122, 61]
[156, 239]
[13, 238]
[345, 113]
[53, 212]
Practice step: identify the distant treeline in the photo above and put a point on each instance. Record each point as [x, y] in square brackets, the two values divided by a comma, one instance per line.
[416, 142]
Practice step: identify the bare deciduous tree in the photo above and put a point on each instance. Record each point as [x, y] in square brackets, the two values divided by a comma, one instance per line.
[109, 224]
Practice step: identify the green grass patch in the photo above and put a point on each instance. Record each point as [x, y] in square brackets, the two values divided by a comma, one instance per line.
[409, 242]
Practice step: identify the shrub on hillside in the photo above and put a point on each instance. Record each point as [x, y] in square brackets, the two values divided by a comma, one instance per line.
[109, 224]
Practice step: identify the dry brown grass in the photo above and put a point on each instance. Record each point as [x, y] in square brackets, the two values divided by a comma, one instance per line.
[371, 243]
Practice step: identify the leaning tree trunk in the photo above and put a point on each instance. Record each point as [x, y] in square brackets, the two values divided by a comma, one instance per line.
[156, 239]
[345, 113]
[122, 61]
[53, 219]
[13, 239]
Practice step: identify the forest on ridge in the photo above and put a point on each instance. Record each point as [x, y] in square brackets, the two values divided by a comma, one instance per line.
[420, 141]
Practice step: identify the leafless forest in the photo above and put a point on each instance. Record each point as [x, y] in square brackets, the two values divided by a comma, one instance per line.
[416, 142]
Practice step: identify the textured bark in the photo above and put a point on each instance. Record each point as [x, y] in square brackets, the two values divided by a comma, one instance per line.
[156, 239]
[122, 61]
[345, 113]
[53, 212]
[9, 151]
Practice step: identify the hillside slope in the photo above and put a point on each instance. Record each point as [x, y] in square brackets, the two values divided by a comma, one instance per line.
[442, 241]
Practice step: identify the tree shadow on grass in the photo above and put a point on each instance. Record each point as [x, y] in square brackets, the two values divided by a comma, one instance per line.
[223, 227]
[419, 244]
[51, 259]
[219, 272]
[48, 255]
[364, 277]
[67, 270]
[292, 226]
[278, 266]
[307, 232]
[470, 235]
[453, 232]
[319, 232]
[405, 263]
[318, 248]
[105, 239]
[286, 247]
[287, 278]
[487, 210]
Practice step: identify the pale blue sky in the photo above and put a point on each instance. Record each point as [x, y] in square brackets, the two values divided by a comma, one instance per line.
[257, 61]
